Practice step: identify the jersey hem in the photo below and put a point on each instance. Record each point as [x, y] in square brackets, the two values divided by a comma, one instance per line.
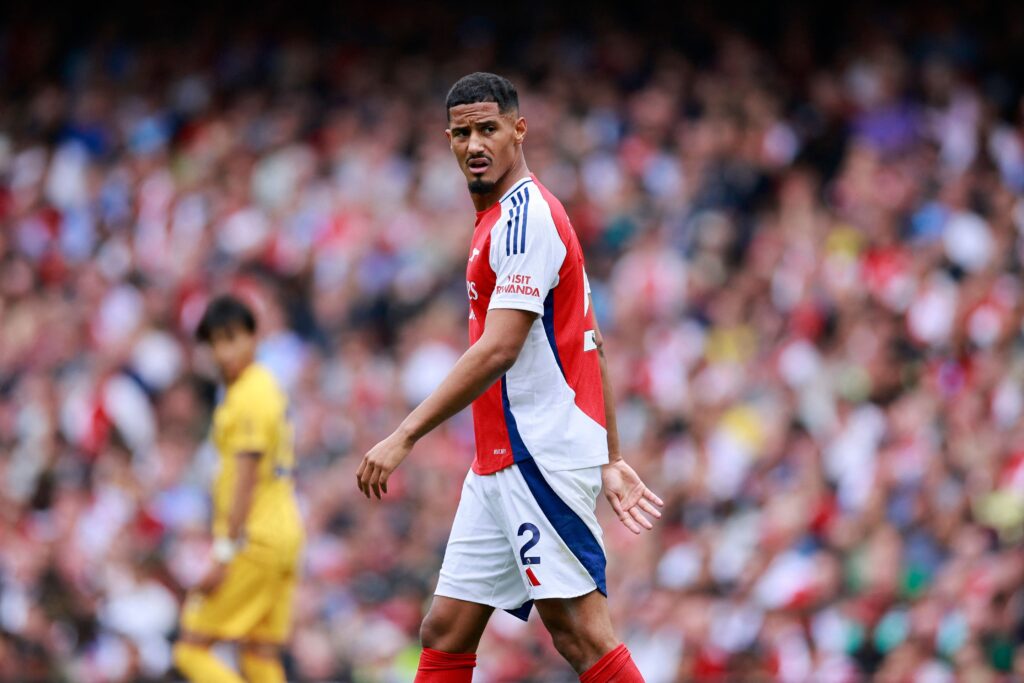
[546, 462]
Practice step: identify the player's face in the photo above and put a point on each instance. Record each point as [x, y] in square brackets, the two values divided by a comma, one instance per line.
[233, 349]
[486, 142]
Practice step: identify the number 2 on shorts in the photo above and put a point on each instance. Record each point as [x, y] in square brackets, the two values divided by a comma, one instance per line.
[534, 540]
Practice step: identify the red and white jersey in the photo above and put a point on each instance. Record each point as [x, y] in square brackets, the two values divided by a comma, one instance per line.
[550, 404]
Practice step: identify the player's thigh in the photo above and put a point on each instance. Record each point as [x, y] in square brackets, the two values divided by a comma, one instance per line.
[273, 629]
[559, 552]
[479, 561]
[233, 609]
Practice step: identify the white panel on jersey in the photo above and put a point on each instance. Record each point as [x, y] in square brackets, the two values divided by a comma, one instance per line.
[553, 428]
[526, 252]
[530, 253]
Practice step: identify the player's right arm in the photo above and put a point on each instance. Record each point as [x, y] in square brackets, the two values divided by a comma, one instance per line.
[479, 367]
[249, 439]
[225, 547]
[534, 256]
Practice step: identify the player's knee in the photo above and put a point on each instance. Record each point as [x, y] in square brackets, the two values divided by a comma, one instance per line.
[433, 630]
[579, 645]
[439, 631]
[569, 644]
[265, 651]
[262, 664]
[184, 653]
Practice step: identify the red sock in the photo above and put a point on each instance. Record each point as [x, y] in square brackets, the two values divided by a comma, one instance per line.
[444, 667]
[615, 667]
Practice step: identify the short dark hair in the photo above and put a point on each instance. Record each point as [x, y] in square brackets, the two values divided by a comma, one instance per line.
[224, 312]
[484, 87]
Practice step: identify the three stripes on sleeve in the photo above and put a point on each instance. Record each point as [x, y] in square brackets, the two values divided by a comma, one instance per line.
[515, 232]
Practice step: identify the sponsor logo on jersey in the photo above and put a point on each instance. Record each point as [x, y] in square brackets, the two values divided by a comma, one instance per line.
[517, 284]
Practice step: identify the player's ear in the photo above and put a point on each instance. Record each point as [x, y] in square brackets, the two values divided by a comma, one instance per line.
[520, 130]
[448, 134]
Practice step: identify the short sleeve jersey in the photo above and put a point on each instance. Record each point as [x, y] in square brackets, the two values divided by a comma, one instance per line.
[525, 255]
[252, 418]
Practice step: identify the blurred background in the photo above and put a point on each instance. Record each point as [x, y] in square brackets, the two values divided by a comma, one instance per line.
[804, 229]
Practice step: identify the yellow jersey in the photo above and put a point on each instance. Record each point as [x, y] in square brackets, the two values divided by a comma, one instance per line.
[252, 418]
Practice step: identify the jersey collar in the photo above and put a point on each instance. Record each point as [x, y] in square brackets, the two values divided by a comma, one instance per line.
[515, 188]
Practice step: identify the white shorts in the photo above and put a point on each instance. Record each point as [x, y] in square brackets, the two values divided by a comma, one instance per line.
[525, 534]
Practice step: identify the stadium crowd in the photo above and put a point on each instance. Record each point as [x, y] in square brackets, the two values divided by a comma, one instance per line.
[805, 261]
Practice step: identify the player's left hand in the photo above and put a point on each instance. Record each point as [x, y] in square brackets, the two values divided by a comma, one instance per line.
[629, 496]
[380, 462]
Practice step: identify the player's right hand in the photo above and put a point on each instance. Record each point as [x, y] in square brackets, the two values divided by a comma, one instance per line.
[380, 462]
[213, 577]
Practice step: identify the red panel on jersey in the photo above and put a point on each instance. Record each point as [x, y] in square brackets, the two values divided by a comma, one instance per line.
[493, 448]
[582, 369]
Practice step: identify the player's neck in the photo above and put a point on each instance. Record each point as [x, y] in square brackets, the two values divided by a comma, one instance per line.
[231, 379]
[512, 176]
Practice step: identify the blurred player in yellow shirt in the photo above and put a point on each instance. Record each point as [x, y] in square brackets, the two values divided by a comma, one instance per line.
[246, 597]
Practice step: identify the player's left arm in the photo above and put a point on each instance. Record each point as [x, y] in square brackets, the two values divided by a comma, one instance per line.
[627, 493]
